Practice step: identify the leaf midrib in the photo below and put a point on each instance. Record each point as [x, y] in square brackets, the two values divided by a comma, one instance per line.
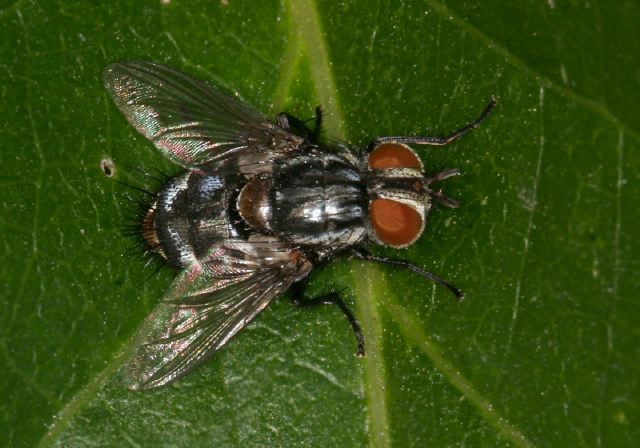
[306, 36]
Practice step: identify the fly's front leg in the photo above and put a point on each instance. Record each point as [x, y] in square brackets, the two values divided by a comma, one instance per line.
[332, 298]
[365, 255]
[441, 141]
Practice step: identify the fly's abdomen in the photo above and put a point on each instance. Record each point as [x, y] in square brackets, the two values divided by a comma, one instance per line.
[193, 211]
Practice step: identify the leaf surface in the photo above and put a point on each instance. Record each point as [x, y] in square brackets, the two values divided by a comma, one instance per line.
[542, 353]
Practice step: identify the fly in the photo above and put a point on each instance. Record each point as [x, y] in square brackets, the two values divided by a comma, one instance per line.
[260, 203]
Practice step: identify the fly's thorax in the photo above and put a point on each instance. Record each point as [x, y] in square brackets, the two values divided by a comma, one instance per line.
[398, 197]
[315, 199]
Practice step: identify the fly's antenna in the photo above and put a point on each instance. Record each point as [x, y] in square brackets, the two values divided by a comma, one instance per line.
[437, 195]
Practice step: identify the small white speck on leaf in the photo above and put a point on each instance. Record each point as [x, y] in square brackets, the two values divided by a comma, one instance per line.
[108, 167]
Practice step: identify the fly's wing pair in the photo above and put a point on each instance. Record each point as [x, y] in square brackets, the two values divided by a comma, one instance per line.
[189, 121]
[193, 124]
[207, 304]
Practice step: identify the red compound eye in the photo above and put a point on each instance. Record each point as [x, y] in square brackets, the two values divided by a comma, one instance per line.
[395, 224]
[393, 155]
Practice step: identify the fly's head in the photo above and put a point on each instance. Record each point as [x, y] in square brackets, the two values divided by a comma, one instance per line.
[399, 194]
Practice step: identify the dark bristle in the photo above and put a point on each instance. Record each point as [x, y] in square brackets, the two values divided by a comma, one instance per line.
[141, 251]
[158, 176]
[138, 201]
[141, 190]
[156, 270]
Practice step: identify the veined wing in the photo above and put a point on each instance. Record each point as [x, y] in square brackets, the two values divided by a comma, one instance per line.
[191, 122]
[208, 304]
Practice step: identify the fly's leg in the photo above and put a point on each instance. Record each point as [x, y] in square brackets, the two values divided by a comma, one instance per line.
[332, 298]
[300, 127]
[365, 255]
[317, 128]
[441, 141]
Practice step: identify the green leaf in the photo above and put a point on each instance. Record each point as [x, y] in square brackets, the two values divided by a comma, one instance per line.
[542, 353]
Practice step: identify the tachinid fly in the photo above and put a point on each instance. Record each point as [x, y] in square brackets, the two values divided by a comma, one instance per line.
[260, 204]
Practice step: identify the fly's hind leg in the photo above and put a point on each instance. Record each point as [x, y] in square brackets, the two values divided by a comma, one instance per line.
[300, 127]
[332, 298]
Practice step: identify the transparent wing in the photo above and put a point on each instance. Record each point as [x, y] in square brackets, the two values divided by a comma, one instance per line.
[190, 121]
[208, 304]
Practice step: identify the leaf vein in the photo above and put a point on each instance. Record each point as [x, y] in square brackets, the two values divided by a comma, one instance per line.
[412, 330]
[544, 82]
[304, 18]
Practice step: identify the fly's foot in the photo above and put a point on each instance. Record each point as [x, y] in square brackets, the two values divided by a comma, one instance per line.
[332, 298]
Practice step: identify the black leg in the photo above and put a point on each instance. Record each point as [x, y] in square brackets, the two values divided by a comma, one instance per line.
[441, 141]
[317, 129]
[364, 255]
[300, 127]
[332, 298]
